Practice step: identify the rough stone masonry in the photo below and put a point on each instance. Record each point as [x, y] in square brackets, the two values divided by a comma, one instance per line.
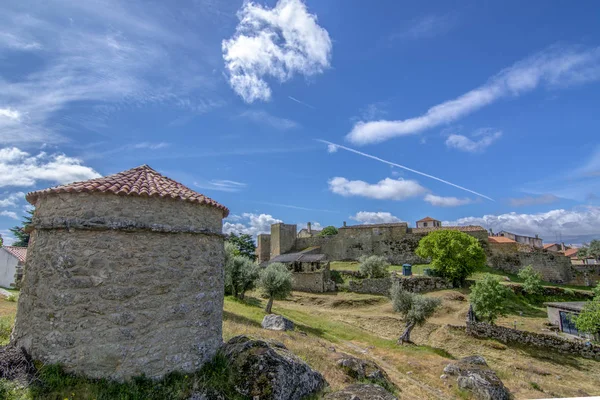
[124, 277]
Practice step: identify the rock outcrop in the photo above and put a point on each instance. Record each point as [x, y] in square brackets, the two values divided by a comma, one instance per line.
[276, 322]
[362, 392]
[360, 369]
[268, 370]
[476, 376]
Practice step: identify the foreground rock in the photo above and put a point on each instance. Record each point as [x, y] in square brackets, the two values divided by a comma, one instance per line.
[276, 322]
[362, 392]
[360, 369]
[270, 371]
[475, 375]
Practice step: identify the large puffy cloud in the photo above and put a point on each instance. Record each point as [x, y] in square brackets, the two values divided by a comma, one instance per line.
[441, 201]
[581, 224]
[277, 42]
[386, 189]
[249, 223]
[557, 67]
[9, 214]
[19, 168]
[370, 217]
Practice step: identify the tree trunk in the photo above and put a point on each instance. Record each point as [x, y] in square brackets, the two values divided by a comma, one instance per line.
[406, 335]
[269, 305]
[242, 295]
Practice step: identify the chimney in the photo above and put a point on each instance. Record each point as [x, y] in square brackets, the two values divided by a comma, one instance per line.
[308, 228]
[344, 223]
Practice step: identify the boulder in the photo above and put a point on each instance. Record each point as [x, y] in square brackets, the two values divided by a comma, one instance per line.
[276, 322]
[475, 375]
[268, 371]
[360, 369]
[361, 391]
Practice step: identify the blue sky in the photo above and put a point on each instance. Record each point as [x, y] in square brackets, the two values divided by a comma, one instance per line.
[308, 111]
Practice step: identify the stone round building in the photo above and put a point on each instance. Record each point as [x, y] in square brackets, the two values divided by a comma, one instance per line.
[124, 276]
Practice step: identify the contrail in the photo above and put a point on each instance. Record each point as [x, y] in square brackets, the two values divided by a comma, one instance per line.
[403, 167]
[301, 102]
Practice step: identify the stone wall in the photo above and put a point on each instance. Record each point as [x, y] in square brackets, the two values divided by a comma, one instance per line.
[283, 237]
[263, 248]
[585, 275]
[118, 286]
[382, 286]
[317, 282]
[548, 342]
[553, 267]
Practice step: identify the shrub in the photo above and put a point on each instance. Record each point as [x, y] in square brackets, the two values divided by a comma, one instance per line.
[588, 320]
[532, 280]
[596, 290]
[373, 266]
[454, 255]
[275, 282]
[414, 308]
[329, 231]
[240, 275]
[488, 298]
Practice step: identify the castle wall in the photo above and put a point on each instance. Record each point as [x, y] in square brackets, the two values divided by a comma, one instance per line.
[263, 248]
[119, 286]
[283, 237]
[553, 267]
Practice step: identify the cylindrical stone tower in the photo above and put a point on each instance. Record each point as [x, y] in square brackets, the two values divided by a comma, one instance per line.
[124, 276]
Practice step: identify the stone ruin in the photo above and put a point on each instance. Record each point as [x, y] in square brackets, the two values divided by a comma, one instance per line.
[124, 276]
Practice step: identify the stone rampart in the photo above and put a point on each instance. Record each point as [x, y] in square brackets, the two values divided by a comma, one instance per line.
[382, 286]
[547, 342]
[553, 267]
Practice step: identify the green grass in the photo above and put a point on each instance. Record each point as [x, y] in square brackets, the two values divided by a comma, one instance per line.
[515, 278]
[417, 269]
[6, 324]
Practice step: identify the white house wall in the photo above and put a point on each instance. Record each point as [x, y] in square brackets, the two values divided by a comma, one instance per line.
[8, 267]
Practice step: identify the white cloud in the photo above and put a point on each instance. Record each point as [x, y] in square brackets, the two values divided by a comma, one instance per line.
[557, 67]
[10, 114]
[578, 224]
[9, 214]
[278, 42]
[252, 224]
[13, 42]
[314, 226]
[151, 146]
[533, 200]
[332, 148]
[222, 185]
[18, 168]
[386, 189]
[427, 26]
[263, 117]
[12, 199]
[446, 201]
[369, 217]
[484, 139]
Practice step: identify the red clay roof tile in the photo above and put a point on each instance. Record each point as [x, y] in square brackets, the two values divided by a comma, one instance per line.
[19, 252]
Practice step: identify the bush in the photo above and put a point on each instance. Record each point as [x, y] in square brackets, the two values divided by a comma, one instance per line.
[454, 255]
[414, 308]
[329, 231]
[532, 280]
[596, 290]
[275, 282]
[588, 320]
[488, 298]
[240, 275]
[373, 266]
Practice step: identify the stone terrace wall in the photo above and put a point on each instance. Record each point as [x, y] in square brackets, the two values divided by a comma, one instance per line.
[508, 335]
[382, 286]
[554, 268]
[585, 275]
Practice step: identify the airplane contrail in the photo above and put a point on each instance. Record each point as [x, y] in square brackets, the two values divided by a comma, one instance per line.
[301, 102]
[403, 167]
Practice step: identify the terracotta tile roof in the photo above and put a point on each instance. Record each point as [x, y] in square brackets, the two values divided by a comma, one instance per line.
[19, 252]
[571, 252]
[427, 219]
[500, 239]
[548, 245]
[467, 228]
[142, 181]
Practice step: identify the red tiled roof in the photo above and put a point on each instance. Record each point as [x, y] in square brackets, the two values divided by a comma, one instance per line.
[467, 228]
[571, 252]
[19, 252]
[427, 219]
[142, 181]
[547, 246]
[500, 239]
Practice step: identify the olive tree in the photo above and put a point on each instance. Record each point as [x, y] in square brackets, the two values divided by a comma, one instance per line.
[414, 308]
[532, 280]
[275, 282]
[373, 266]
[454, 254]
[240, 275]
[488, 298]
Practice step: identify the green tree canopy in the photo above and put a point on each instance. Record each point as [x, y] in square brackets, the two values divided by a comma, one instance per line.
[373, 266]
[591, 249]
[414, 308]
[240, 275]
[244, 243]
[454, 255]
[532, 280]
[488, 298]
[275, 281]
[329, 231]
[19, 232]
[588, 320]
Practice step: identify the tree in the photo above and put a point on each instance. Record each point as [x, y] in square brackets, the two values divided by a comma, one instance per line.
[414, 308]
[596, 290]
[20, 233]
[454, 255]
[532, 280]
[373, 266]
[590, 250]
[488, 298]
[583, 254]
[1, 241]
[329, 231]
[244, 243]
[588, 320]
[240, 275]
[275, 282]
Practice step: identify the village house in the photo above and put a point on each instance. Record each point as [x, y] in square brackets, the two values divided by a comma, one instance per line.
[308, 232]
[428, 222]
[12, 260]
[562, 314]
[535, 242]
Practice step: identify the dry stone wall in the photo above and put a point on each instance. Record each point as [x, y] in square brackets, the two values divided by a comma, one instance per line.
[554, 268]
[414, 284]
[117, 286]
